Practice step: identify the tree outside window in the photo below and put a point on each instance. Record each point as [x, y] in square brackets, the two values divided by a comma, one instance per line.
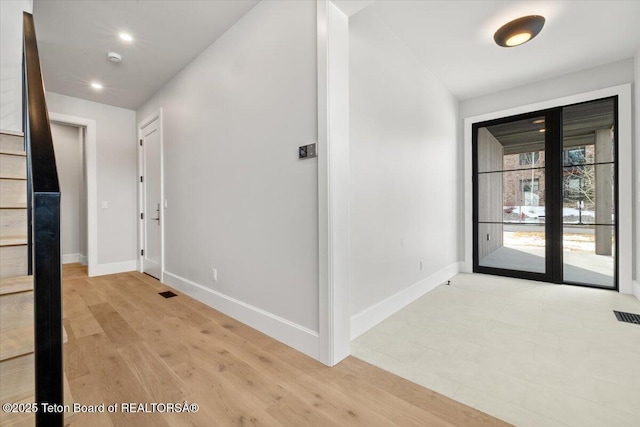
[579, 178]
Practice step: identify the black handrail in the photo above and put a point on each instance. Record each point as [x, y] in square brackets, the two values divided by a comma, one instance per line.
[44, 239]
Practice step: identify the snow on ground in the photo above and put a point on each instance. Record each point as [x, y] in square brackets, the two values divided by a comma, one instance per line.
[537, 214]
[574, 242]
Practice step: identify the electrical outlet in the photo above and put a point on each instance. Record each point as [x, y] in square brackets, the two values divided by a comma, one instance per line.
[215, 275]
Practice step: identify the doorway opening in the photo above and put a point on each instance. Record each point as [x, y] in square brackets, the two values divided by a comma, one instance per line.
[546, 195]
[85, 192]
[69, 147]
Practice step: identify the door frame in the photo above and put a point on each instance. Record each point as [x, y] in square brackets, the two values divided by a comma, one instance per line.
[625, 172]
[141, 125]
[90, 163]
[550, 201]
[554, 223]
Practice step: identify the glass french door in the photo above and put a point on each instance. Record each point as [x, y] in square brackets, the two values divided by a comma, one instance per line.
[544, 191]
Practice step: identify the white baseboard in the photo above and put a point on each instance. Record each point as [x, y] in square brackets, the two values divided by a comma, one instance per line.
[112, 268]
[73, 258]
[636, 288]
[283, 330]
[70, 258]
[369, 317]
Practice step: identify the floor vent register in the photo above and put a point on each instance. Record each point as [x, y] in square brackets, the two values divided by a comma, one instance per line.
[167, 294]
[627, 317]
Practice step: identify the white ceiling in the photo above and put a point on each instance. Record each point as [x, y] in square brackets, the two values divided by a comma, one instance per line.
[454, 39]
[75, 36]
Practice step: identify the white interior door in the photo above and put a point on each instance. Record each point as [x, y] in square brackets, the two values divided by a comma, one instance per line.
[151, 200]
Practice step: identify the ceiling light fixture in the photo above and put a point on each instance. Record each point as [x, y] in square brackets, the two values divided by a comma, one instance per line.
[542, 130]
[97, 86]
[537, 122]
[519, 31]
[126, 37]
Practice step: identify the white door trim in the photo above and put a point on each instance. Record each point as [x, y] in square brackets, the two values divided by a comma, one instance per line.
[90, 148]
[625, 172]
[333, 182]
[144, 123]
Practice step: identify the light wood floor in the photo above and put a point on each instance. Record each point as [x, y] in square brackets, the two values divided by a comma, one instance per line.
[126, 343]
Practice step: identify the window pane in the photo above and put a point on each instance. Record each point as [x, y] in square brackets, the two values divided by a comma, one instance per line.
[588, 130]
[588, 195]
[513, 145]
[518, 247]
[589, 254]
[588, 192]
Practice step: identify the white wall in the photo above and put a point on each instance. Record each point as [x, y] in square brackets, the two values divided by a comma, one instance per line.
[238, 198]
[11, 63]
[404, 175]
[608, 75]
[69, 150]
[116, 178]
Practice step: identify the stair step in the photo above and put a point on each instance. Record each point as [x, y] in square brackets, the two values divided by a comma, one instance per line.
[17, 377]
[26, 419]
[11, 141]
[14, 261]
[13, 193]
[18, 342]
[13, 240]
[16, 311]
[18, 153]
[11, 285]
[13, 222]
[13, 165]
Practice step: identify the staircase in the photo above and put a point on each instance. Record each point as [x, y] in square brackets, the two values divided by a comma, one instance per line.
[17, 380]
[16, 288]
[31, 331]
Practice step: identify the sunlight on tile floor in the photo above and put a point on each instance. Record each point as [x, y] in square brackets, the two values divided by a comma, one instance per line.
[530, 353]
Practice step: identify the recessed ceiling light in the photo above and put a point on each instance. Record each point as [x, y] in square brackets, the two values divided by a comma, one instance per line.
[537, 122]
[97, 86]
[542, 130]
[519, 31]
[126, 37]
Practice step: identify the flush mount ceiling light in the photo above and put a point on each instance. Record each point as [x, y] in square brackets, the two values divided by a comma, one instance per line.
[97, 86]
[126, 37]
[519, 31]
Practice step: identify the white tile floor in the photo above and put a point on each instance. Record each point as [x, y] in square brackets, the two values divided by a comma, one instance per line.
[530, 353]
